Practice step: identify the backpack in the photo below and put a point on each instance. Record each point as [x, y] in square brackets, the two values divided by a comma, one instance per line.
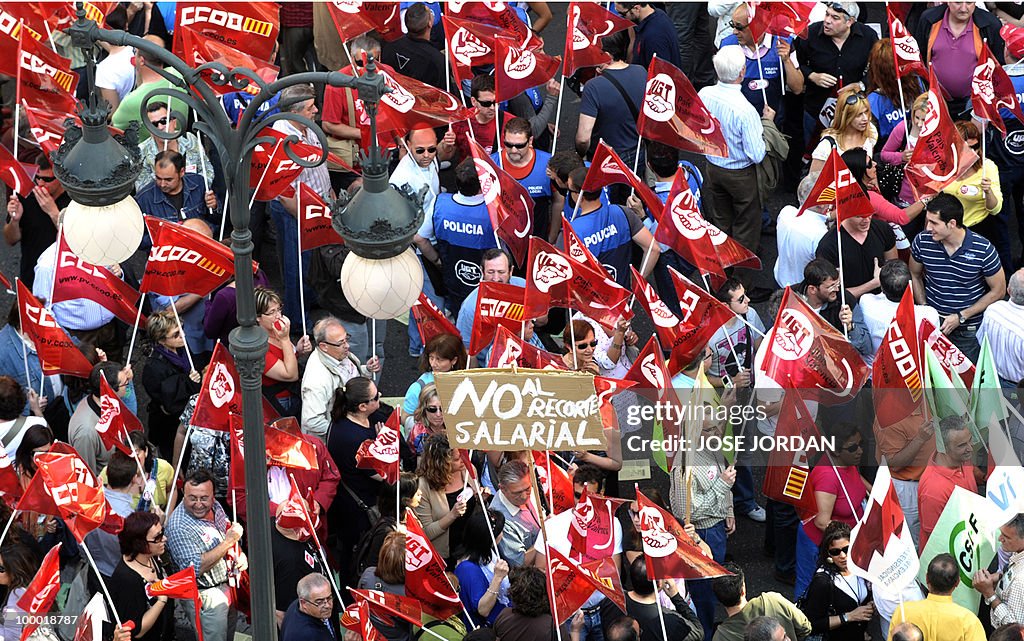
[769, 170]
[362, 554]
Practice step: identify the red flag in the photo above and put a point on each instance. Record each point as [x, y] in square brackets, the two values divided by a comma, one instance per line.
[905, 50]
[682, 227]
[250, 27]
[703, 314]
[64, 486]
[941, 155]
[949, 355]
[385, 604]
[10, 484]
[15, 174]
[607, 168]
[272, 171]
[809, 354]
[289, 450]
[517, 69]
[674, 114]
[836, 186]
[669, 552]
[315, 229]
[46, 126]
[592, 530]
[236, 473]
[57, 354]
[787, 477]
[508, 202]
[116, 420]
[666, 324]
[605, 576]
[648, 371]
[294, 515]
[183, 261]
[785, 19]
[557, 486]
[90, 623]
[1014, 38]
[570, 585]
[197, 49]
[497, 304]
[74, 278]
[381, 454]
[424, 573]
[509, 350]
[38, 18]
[220, 394]
[881, 545]
[180, 585]
[555, 280]
[576, 249]
[606, 388]
[6, 284]
[992, 89]
[469, 44]
[431, 321]
[896, 372]
[498, 14]
[354, 18]
[44, 78]
[411, 104]
[588, 23]
[41, 592]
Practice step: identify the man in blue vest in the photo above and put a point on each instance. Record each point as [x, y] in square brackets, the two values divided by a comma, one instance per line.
[609, 232]
[462, 228]
[529, 167]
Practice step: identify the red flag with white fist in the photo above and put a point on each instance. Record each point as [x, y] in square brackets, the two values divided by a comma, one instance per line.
[674, 114]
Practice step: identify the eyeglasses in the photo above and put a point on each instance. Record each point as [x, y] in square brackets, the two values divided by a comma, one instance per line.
[586, 345]
[272, 312]
[176, 334]
[433, 409]
[513, 145]
[426, 150]
[837, 7]
[3, 569]
[853, 99]
[837, 551]
[46, 179]
[375, 398]
[485, 103]
[634, 513]
[159, 537]
[738, 27]
[321, 603]
[159, 123]
[853, 448]
[742, 298]
[340, 343]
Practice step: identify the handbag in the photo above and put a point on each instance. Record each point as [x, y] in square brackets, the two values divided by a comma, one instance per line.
[890, 180]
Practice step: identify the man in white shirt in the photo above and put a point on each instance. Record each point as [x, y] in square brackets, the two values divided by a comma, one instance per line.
[418, 168]
[1003, 325]
[878, 310]
[798, 237]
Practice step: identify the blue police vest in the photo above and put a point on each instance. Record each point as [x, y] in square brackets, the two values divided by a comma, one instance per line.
[539, 186]
[605, 232]
[463, 232]
[770, 70]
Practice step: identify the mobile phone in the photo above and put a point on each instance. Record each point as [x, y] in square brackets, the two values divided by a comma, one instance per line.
[726, 381]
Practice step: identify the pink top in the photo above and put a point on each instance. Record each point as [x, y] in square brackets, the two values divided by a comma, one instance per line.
[892, 153]
[826, 478]
[886, 211]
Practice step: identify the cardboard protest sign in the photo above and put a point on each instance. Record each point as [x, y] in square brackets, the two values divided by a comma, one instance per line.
[495, 409]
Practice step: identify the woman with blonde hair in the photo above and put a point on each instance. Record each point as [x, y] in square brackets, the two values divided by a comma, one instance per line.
[281, 364]
[427, 419]
[851, 127]
[168, 378]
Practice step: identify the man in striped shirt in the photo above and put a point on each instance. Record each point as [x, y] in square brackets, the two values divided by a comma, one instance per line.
[956, 271]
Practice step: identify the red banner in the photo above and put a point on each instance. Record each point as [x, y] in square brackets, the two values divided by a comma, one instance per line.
[411, 104]
[183, 261]
[74, 278]
[180, 585]
[808, 354]
[41, 592]
[315, 229]
[648, 371]
[837, 187]
[703, 314]
[354, 18]
[500, 15]
[518, 69]
[293, 514]
[897, 386]
[588, 23]
[1014, 38]
[787, 477]
[197, 49]
[669, 552]
[431, 321]
[592, 530]
[469, 44]
[236, 434]
[511, 351]
[905, 51]
[116, 420]
[64, 486]
[674, 114]
[991, 90]
[246, 26]
[220, 394]
[569, 584]
[941, 155]
[381, 454]
[290, 451]
[607, 168]
[509, 204]
[15, 174]
[497, 304]
[10, 483]
[44, 78]
[57, 354]
[385, 604]
[424, 573]
[785, 19]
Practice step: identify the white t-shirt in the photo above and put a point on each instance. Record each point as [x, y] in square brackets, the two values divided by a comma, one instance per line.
[558, 527]
[408, 172]
[11, 447]
[797, 239]
[878, 313]
[117, 72]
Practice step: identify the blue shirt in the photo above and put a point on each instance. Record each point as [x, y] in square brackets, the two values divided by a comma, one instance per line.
[769, 74]
[615, 123]
[154, 202]
[741, 125]
[235, 103]
[608, 234]
[656, 34]
[954, 283]
[886, 113]
[299, 626]
[462, 228]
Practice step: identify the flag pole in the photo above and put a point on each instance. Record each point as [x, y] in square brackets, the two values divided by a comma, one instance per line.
[17, 115]
[177, 470]
[298, 224]
[56, 261]
[487, 516]
[558, 113]
[707, 287]
[262, 176]
[839, 243]
[135, 329]
[760, 71]
[103, 584]
[7, 528]
[551, 485]
[728, 339]
[547, 566]
[316, 540]
[661, 615]
[181, 329]
[572, 349]
[639, 141]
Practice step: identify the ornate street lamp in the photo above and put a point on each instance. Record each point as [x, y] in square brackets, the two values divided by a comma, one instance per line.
[98, 170]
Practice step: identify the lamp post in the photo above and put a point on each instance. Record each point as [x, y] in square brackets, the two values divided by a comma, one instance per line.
[94, 169]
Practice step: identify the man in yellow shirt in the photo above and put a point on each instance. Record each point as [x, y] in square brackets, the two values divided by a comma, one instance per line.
[938, 617]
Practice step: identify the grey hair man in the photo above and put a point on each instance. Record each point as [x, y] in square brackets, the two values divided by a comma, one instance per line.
[329, 368]
[515, 486]
[1003, 326]
[944, 472]
[1003, 591]
[309, 617]
[765, 628]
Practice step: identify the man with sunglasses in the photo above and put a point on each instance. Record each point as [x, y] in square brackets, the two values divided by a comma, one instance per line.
[196, 160]
[32, 220]
[528, 165]
[837, 47]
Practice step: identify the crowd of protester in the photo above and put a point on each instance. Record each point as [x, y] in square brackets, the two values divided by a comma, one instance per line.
[831, 89]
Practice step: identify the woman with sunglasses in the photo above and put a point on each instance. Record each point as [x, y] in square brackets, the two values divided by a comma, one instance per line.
[580, 344]
[143, 542]
[838, 604]
[839, 493]
[443, 353]
[168, 378]
[427, 419]
[851, 127]
[18, 566]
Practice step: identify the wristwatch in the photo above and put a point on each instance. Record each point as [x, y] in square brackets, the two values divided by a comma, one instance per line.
[989, 600]
[961, 318]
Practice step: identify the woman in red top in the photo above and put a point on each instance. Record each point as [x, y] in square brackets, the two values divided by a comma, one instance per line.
[281, 364]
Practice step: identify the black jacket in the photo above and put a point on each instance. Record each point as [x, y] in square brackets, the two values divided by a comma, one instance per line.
[168, 386]
[824, 600]
[986, 22]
